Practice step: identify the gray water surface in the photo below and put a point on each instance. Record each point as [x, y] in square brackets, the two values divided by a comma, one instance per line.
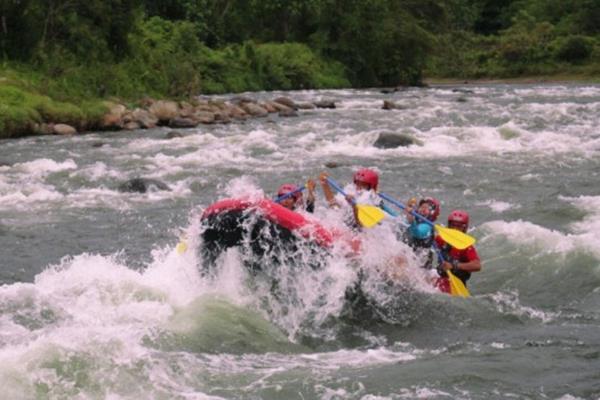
[95, 302]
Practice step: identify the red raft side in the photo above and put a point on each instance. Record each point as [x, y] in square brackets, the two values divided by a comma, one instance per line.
[275, 213]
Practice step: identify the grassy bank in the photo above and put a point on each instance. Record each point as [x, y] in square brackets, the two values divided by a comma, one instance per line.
[23, 109]
[166, 61]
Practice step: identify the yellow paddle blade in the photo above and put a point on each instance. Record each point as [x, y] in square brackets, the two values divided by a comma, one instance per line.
[455, 238]
[369, 216]
[457, 287]
[181, 247]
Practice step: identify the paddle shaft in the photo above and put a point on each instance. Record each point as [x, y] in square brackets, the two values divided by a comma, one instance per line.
[402, 206]
[339, 189]
[289, 194]
[455, 237]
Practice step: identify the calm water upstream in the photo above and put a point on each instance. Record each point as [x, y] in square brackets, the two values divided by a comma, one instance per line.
[96, 303]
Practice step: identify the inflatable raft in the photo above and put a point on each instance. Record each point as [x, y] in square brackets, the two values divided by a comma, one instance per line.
[269, 235]
[265, 231]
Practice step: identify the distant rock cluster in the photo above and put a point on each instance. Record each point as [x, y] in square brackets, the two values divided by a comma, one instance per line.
[188, 114]
[151, 113]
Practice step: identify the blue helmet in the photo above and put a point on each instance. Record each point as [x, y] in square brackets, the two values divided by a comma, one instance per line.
[422, 231]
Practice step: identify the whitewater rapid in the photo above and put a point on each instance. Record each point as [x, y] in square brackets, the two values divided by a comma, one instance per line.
[96, 302]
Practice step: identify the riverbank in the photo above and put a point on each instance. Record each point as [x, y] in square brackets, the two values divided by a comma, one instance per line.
[523, 80]
[25, 112]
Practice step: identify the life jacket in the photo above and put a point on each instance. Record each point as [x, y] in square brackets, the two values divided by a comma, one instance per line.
[451, 254]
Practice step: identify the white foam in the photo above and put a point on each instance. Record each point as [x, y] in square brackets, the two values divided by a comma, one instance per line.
[498, 206]
[584, 236]
[524, 233]
[508, 302]
[43, 166]
[244, 187]
[31, 195]
[357, 358]
[97, 171]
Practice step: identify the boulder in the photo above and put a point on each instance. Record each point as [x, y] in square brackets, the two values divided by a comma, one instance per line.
[63, 129]
[332, 164]
[180, 122]
[142, 185]
[236, 112]
[394, 140]
[465, 91]
[254, 109]
[286, 102]
[164, 110]
[203, 107]
[131, 126]
[221, 117]
[324, 104]
[304, 106]
[144, 118]
[186, 110]
[114, 118]
[279, 106]
[269, 107]
[173, 134]
[288, 113]
[390, 105]
[204, 117]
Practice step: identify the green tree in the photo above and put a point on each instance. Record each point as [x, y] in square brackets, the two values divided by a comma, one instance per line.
[87, 29]
[379, 41]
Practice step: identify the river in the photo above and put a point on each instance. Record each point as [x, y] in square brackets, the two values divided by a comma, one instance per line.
[96, 303]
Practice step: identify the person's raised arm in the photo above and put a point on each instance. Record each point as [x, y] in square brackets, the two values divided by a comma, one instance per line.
[310, 197]
[329, 196]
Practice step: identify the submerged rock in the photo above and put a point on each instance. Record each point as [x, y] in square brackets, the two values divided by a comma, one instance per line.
[324, 104]
[390, 105]
[332, 164]
[142, 185]
[394, 140]
[288, 113]
[466, 91]
[180, 122]
[173, 134]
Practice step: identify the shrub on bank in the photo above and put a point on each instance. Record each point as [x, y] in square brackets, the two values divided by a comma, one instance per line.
[21, 111]
[166, 60]
[574, 49]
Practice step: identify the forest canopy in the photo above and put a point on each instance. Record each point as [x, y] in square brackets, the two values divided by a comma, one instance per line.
[132, 48]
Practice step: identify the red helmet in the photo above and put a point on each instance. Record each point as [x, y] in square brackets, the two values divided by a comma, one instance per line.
[367, 176]
[459, 217]
[434, 207]
[290, 187]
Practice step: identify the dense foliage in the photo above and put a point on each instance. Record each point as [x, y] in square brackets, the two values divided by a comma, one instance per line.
[510, 38]
[133, 48]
